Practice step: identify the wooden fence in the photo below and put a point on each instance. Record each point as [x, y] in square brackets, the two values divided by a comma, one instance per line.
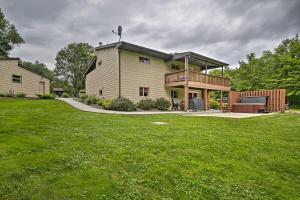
[276, 100]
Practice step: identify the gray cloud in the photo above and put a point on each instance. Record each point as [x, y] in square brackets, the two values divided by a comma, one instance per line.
[225, 30]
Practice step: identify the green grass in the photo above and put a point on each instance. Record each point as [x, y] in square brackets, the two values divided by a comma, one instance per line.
[49, 150]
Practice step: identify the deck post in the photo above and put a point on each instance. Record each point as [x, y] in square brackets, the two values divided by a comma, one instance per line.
[186, 85]
[206, 72]
[186, 98]
[205, 100]
[221, 100]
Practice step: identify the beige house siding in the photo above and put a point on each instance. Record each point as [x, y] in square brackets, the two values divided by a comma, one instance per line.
[135, 74]
[31, 82]
[106, 76]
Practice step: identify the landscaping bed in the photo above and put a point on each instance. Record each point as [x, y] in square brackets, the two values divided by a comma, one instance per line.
[124, 104]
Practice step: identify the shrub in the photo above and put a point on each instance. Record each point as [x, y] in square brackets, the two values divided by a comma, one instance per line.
[65, 95]
[92, 99]
[2, 95]
[99, 102]
[20, 95]
[106, 104]
[214, 104]
[45, 96]
[9, 95]
[122, 104]
[146, 104]
[162, 104]
[83, 97]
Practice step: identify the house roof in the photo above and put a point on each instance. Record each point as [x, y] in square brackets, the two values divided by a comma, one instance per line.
[194, 58]
[26, 68]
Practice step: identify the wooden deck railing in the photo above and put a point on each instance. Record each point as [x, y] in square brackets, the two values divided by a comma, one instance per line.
[197, 77]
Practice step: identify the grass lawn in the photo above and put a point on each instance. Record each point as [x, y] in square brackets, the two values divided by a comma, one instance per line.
[49, 150]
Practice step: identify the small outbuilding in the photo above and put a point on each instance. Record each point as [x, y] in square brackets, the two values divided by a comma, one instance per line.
[58, 91]
[15, 78]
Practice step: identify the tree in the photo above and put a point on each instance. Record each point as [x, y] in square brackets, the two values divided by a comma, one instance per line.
[71, 63]
[9, 36]
[39, 67]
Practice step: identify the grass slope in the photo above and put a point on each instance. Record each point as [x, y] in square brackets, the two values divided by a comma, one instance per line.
[49, 150]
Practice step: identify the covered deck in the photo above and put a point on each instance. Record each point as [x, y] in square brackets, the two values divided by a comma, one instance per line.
[191, 79]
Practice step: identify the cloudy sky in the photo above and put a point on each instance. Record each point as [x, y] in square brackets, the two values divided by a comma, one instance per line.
[224, 30]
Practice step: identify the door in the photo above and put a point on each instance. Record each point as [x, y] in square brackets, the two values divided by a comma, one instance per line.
[42, 87]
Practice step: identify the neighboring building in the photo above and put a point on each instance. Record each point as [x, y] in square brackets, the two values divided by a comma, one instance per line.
[15, 78]
[135, 72]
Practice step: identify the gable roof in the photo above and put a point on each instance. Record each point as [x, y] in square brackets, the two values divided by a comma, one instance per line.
[194, 58]
[26, 68]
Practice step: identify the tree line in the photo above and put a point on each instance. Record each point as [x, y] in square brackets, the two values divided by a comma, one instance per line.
[275, 69]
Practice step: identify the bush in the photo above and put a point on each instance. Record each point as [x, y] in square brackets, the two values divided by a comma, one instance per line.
[99, 102]
[83, 97]
[92, 99]
[9, 95]
[20, 95]
[2, 95]
[146, 104]
[106, 104]
[122, 104]
[45, 96]
[65, 95]
[214, 104]
[162, 104]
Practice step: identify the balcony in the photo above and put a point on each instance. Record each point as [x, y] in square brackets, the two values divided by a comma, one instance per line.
[197, 80]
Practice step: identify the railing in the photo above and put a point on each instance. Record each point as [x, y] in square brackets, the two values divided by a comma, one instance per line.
[197, 77]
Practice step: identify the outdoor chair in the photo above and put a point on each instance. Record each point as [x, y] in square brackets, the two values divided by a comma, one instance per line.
[175, 106]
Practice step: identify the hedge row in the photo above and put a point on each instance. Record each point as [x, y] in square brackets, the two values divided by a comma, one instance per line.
[17, 95]
[124, 104]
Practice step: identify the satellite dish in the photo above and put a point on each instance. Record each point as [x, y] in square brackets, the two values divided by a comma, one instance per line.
[119, 33]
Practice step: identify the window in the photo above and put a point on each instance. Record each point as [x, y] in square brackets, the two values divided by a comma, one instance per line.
[144, 60]
[16, 78]
[100, 93]
[144, 92]
[174, 94]
[175, 68]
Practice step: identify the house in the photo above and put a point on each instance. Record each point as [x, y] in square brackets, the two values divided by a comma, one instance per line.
[136, 72]
[15, 78]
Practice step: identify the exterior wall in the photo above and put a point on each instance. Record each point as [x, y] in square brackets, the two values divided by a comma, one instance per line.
[106, 76]
[30, 81]
[135, 74]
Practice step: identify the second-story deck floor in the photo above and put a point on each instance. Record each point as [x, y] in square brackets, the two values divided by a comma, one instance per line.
[197, 80]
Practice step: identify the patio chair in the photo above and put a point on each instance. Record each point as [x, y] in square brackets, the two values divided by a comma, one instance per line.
[174, 105]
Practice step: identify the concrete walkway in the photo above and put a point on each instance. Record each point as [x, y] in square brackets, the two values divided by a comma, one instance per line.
[226, 115]
[212, 113]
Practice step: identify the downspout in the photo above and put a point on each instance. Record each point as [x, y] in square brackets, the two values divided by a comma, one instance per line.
[119, 53]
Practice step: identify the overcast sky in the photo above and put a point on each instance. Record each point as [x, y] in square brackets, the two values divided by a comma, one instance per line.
[224, 30]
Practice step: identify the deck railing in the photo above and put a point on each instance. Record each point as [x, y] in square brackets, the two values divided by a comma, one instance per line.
[197, 77]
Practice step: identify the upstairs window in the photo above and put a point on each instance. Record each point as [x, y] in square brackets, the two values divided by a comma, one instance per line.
[16, 78]
[174, 94]
[144, 91]
[144, 60]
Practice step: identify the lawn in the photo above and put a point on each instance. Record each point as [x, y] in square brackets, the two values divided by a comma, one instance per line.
[49, 150]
